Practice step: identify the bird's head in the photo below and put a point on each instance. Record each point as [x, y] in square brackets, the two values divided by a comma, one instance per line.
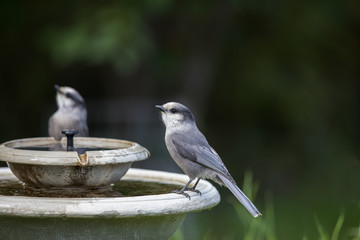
[175, 114]
[68, 97]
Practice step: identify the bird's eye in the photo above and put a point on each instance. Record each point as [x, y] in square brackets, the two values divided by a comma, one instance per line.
[173, 110]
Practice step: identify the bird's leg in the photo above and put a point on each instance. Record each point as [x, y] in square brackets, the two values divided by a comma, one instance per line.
[186, 188]
[182, 191]
[193, 188]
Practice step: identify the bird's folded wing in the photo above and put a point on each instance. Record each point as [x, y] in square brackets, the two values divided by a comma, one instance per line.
[199, 152]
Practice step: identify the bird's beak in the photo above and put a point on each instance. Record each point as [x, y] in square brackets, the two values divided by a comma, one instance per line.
[160, 107]
[57, 88]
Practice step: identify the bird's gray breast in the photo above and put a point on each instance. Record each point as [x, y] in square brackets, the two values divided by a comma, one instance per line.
[62, 120]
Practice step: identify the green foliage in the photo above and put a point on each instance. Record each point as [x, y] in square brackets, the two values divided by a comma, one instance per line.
[265, 227]
[354, 233]
[336, 231]
[178, 235]
[262, 227]
[115, 34]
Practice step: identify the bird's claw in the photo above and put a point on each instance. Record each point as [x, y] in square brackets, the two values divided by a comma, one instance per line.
[185, 194]
[182, 193]
[194, 190]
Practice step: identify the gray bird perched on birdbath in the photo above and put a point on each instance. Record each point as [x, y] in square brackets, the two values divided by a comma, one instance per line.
[193, 154]
[71, 113]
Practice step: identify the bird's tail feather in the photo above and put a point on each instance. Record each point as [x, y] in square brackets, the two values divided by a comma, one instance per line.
[240, 196]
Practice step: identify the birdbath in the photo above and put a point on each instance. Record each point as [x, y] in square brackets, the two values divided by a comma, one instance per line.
[44, 162]
[40, 196]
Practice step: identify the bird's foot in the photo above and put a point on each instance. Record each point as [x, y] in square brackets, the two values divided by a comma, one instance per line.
[192, 189]
[182, 192]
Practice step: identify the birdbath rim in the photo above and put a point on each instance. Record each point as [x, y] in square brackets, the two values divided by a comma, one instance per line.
[117, 207]
[117, 151]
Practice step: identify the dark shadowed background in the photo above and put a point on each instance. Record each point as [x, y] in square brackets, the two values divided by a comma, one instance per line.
[274, 86]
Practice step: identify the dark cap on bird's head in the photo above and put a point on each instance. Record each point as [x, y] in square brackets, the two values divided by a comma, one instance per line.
[68, 96]
[173, 111]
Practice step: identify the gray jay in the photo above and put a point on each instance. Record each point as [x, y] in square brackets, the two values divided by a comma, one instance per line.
[193, 154]
[71, 113]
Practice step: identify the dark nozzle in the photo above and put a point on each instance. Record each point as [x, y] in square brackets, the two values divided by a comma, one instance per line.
[160, 107]
[81, 150]
[70, 139]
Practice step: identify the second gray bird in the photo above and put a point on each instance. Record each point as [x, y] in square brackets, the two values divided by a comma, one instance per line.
[71, 113]
[193, 154]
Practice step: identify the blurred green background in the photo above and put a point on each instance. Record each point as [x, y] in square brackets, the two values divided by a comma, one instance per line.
[274, 85]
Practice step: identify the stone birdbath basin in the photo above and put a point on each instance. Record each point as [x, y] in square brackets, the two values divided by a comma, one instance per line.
[40, 196]
[44, 162]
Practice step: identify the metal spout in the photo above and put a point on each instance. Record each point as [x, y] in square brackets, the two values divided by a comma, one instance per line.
[83, 160]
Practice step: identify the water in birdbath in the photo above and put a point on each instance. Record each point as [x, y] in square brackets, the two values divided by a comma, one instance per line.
[121, 188]
[60, 147]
